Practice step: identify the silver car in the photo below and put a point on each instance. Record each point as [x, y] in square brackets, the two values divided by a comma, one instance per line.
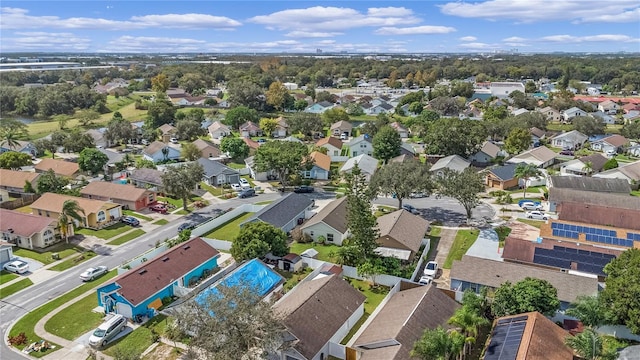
[537, 215]
[93, 273]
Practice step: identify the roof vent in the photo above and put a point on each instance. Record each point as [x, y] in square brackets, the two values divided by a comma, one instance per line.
[187, 247]
[165, 259]
[143, 271]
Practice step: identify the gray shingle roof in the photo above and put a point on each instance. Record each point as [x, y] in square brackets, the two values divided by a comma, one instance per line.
[215, 168]
[614, 200]
[280, 212]
[365, 162]
[452, 162]
[505, 172]
[150, 176]
[404, 227]
[584, 183]
[334, 215]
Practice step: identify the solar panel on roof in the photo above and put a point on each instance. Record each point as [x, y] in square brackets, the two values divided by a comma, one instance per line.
[506, 338]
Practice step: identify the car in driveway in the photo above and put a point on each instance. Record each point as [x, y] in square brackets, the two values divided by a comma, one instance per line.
[566, 152]
[530, 205]
[425, 280]
[245, 193]
[93, 273]
[537, 215]
[236, 187]
[159, 208]
[244, 183]
[130, 220]
[303, 189]
[108, 330]
[17, 266]
[410, 208]
[431, 269]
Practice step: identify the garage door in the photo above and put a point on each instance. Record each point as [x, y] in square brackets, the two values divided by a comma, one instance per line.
[115, 213]
[124, 309]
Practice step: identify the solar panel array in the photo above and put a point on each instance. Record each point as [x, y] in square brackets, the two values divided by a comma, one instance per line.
[603, 236]
[505, 339]
[588, 261]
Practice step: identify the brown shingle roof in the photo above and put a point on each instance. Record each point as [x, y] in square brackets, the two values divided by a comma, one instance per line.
[150, 176]
[542, 154]
[616, 140]
[60, 167]
[495, 273]
[341, 125]
[139, 284]
[167, 129]
[542, 339]
[404, 227]
[53, 202]
[333, 214]
[590, 184]
[154, 147]
[334, 141]
[490, 149]
[601, 215]
[612, 200]
[114, 191]
[597, 161]
[16, 179]
[316, 309]
[631, 171]
[403, 319]
[205, 145]
[321, 160]
[23, 224]
[539, 133]
[251, 143]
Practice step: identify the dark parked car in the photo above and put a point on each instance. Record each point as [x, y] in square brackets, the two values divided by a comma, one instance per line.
[566, 152]
[303, 189]
[130, 220]
[185, 226]
[410, 208]
[246, 193]
[160, 208]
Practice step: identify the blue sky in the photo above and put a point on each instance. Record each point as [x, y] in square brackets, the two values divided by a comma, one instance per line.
[304, 26]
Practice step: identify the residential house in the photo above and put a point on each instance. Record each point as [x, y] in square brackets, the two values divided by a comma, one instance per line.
[529, 336]
[158, 151]
[537, 135]
[612, 144]
[604, 117]
[285, 213]
[98, 137]
[60, 167]
[402, 158]
[207, 149]
[6, 252]
[573, 139]
[28, 231]
[503, 89]
[112, 156]
[382, 108]
[252, 144]
[551, 114]
[281, 129]
[318, 314]
[250, 129]
[97, 213]
[584, 166]
[626, 108]
[487, 154]
[401, 234]
[321, 167]
[408, 149]
[366, 163]
[629, 172]
[594, 184]
[218, 174]
[319, 108]
[341, 127]
[25, 147]
[401, 321]
[360, 145]
[147, 178]
[631, 116]
[14, 181]
[465, 275]
[609, 107]
[259, 175]
[330, 222]
[403, 131]
[218, 130]
[129, 196]
[167, 131]
[634, 150]
[520, 111]
[452, 162]
[333, 146]
[141, 289]
[541, 157]
[569, 114]
[502, 177]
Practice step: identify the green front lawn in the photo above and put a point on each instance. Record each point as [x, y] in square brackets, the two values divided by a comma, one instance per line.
[160, 222]
[63, 250]
[325, 252]
[69, 263]
[269, 202]
[463, 241]
[138, 340]
[27, 323]
[229, 230]
[126, 237]
[215, 191]
[175, 202]
[136, 215]
[15, 287]
[6, 276]
[235, 165]
[76, 319]
[635, 193]
[106, 233]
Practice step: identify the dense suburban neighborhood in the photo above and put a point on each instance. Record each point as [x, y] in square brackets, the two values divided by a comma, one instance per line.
[365, 216]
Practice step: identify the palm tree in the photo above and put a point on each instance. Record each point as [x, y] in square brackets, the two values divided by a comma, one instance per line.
[10, 138]
[438, 344]
[588, 168]
[468, 322]
[71, 210]
[526, 172]
[588, 345]
[588, 310]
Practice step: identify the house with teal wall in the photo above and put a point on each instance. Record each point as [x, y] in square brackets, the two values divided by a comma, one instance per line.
[141, 289]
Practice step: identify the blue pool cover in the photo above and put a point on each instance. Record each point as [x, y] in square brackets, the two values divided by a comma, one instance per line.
[253, 273]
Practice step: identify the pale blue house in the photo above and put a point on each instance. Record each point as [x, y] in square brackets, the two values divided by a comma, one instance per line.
[319, 108]
[158, 151]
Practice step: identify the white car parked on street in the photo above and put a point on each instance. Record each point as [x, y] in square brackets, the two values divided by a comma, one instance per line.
[537, 215]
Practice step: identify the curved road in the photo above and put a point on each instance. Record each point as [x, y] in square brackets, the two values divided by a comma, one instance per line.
[15, 306]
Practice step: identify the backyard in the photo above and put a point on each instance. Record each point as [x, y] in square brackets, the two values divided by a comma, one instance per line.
[229, 230]
[325, 252]
[374, 294]
[463, 241]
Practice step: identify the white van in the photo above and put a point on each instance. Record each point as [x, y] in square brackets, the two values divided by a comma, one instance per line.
[108, 330]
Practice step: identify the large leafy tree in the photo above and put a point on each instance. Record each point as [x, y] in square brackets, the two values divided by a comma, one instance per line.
[160, 112]
[236, 147]
[284, 157]
[589, 125]
[160, 83]
[527, 295]
[631, 130]
[452, 136]
[118, 129]
[256, 239]
[239, 115]
[277, 95]
[190, 152]
[76, 141]
[268, 125]
[14, 160]
[180, 181]
[43, 145]
[334, 115]
[91, 159]
[401, 179]
[621, 294]
[360, 220]
[50, 182]
[386, 143]
[189, 129]
[246, 93]
[463, 186]
[304, 123]
[517, 141]
[438, 344]
[71, 211]
[525, 172]
[233, 323]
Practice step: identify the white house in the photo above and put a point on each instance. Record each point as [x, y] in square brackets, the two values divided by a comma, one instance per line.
[360, 145]
[158, 151]
[218, 130]
[281, 129]
[569, 140]
[503, 89]
[609, 107]
[330, 222]
[610, 145]
[629, 172]
[257, 175]
[333, 146]
[551, 113]
[366, 163]
[569, 114]
[541, 157]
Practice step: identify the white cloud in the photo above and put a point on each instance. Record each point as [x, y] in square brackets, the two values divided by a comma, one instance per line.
[37, 40]
[329, 19]
[154, 44]
[528, 11]
[478, 46]
[588, 38]
[468, 38]
[514, 39]
[14, 18]
[416, 30]
[311, 34]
